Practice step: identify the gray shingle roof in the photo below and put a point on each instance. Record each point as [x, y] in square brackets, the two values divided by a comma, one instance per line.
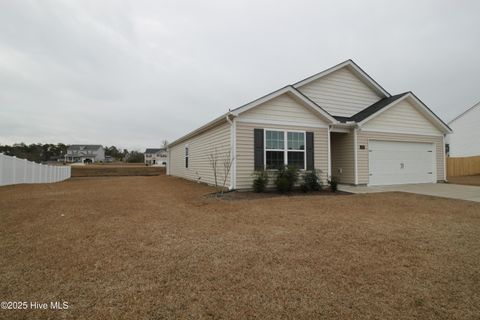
[154, 150]
[374, 108]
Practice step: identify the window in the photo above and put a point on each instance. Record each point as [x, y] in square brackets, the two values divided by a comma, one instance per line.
[186, 157]
[274, 149]
[278, 154]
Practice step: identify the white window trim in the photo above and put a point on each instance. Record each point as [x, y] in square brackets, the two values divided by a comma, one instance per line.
[285, 147]
[186, 156]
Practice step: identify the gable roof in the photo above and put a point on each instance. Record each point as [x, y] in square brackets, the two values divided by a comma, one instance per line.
[464, 112]
[352, 67]
[154, 150]
[294, 93]
[383, 105]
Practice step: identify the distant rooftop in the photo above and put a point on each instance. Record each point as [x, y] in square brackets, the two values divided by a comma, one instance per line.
[85, 147]
[154, 150]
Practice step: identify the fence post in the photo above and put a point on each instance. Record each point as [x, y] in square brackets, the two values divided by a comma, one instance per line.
[25, 163]
[1, 168]
[14, 169]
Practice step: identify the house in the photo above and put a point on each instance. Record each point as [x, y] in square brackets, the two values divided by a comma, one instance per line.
[85, 153]
[465, 140]
[339, 122]
[156, 157]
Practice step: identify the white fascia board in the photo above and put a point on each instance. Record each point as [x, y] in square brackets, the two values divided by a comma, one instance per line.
[321, 74]
[290, 90]
[418, 105]
[355, 68]
[463, 113]
[211, 124]
[259, 101]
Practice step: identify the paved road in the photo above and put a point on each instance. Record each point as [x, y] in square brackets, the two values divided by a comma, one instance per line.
[446, 190]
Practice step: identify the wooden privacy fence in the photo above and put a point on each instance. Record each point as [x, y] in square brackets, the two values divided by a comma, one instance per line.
[464, 166]
[15, 171]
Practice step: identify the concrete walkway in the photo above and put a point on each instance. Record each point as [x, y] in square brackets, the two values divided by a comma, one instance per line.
[446, 190]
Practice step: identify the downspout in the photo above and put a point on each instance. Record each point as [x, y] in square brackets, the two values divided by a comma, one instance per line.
[444, 161]
[168, 161]
[355, 147]
[233, 151]
[329, 159]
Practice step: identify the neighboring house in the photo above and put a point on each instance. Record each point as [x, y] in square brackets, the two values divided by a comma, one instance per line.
[340, 122]
[156, 157]
[465, 140]
[85, 153]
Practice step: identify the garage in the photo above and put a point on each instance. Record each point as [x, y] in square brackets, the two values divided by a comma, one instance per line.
[398, 162]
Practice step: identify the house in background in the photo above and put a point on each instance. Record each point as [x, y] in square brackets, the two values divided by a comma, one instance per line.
[465, 139]
[85, 153]
[156, 157]
[340, 122]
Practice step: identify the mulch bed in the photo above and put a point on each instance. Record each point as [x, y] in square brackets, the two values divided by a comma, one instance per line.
[250, 195]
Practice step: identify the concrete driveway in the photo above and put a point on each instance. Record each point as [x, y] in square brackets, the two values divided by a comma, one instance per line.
[446, 190]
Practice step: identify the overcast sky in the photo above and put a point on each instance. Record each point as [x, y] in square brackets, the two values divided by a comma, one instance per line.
[132, 73]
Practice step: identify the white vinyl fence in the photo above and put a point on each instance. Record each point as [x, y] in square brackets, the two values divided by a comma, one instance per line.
[15, 171]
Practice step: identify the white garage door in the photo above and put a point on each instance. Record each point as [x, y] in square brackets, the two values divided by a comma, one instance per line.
[392, 162]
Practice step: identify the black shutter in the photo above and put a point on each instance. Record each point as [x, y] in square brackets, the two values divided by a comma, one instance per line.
[258, 148]
[310, 154]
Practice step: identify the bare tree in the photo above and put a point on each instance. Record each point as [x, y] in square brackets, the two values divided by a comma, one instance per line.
[213, 158]
[227, 166]
[165, 144]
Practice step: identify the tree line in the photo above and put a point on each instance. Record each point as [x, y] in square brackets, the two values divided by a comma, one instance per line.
[39, 152]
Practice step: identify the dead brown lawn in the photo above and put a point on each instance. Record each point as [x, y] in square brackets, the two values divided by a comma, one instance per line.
[106, 170]
[466, 180]
[155, 248]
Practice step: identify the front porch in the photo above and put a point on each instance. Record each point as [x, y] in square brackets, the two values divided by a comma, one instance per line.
[342, 155]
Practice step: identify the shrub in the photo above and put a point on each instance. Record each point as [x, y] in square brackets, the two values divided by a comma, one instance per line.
[286, 178]
[312, 181]
[304, 187]
[260, 181]
[333, 184]
[283, 185]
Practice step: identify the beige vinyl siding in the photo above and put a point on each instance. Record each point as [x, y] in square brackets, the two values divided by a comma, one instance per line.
[284, 109]
[340, 93]
[200, 147]
[245, 150]
[343, 156]
[402, 117]
[363, 137]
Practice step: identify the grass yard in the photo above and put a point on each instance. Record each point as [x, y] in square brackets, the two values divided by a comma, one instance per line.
[156, 248]
[466, 180]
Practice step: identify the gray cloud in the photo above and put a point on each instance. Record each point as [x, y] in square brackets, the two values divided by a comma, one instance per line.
[132, 73]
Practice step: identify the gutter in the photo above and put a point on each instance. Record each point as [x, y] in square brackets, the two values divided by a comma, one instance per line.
[233, 149]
